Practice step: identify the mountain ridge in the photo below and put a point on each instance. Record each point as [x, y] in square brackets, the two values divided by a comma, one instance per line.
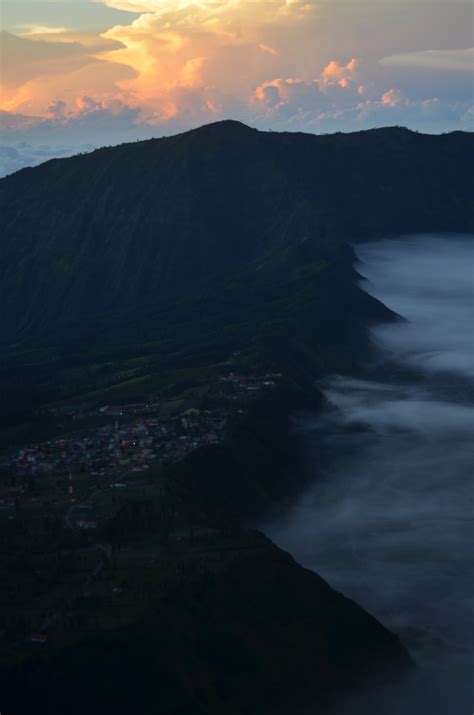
[147, 272]
[158, 222]
[239, 126]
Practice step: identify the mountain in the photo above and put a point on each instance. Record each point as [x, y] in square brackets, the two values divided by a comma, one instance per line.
[183, 272]
[123, 232]
[261, 635]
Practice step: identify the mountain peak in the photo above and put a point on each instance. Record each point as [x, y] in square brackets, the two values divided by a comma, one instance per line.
[226, 125]
[141, 226]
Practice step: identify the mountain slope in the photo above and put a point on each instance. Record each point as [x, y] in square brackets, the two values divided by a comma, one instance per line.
[133, 228]
[220, 247]
[262, 636]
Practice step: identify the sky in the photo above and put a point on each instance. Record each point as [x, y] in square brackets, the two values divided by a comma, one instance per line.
[76, 74]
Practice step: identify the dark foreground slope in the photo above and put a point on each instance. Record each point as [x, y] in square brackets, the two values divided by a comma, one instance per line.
[250, 635]
[127, 230]
[172, 607]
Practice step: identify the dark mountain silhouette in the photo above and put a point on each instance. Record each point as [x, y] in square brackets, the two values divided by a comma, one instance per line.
[262, 636]
[125, 231]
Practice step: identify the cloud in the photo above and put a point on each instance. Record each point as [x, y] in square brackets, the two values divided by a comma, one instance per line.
[90, 43]
[11, 123]
[146, 6]
[347, 96]
[28, 141]
[175, 64]
[192, 9]
[340, 73]
[24, 59]
[184, 53]
[22, 154]
[355, 94]
[387, 518]
[445, 60]
[182, 44]
[391, 98]
[35, 72]
[30, 29]
[336, 87]
[407, 275]
[57, 110]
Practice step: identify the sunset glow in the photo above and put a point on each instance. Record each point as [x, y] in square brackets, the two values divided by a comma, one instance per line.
[148, 66]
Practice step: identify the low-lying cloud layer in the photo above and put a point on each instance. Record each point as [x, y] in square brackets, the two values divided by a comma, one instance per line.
[389, 519]
[429, 281]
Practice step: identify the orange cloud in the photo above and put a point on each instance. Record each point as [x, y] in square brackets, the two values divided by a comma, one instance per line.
[216, 47]
[304, 95]
[391, 98]
[37, 72]
[342, 74]
[178, 55]
[191, 61]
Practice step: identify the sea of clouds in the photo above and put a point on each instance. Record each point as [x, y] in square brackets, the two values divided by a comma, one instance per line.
[388, 519]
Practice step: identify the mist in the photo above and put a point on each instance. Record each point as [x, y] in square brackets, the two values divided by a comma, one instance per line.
[388, 517]
[430, 282]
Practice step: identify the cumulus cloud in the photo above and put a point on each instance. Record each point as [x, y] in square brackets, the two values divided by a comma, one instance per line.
[189, 9]
[299, 100]
[186, 45]
[181, 43]
[340, 73]
[175, 64]
[57, 109]
[348, 96]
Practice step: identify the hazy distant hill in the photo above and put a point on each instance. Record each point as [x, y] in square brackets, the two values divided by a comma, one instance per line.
[125, 231]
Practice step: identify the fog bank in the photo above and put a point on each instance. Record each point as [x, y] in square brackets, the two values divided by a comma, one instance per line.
[389, 519]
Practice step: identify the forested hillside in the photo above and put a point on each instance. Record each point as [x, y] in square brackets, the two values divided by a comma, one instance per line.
[118, 234]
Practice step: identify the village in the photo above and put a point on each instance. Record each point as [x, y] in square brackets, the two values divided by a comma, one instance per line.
[57, 498]
[132, 441]
[123, 446]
